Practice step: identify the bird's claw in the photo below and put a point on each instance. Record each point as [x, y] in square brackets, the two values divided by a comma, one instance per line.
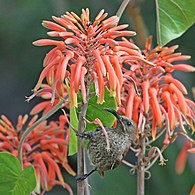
[82, 135]
[81, 178]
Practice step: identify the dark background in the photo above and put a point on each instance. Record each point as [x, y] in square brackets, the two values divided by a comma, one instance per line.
[21, 64]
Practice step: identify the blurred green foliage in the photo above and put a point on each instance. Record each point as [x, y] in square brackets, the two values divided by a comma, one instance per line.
[21, 63]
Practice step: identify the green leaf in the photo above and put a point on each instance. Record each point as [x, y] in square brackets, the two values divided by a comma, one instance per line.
[96, 110]
[73, 137]
[14, 180]
[174, 17]
[74, 122]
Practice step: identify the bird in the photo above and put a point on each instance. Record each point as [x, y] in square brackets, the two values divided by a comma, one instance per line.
[120, 139]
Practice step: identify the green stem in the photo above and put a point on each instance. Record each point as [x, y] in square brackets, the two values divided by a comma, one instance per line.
[30, 129]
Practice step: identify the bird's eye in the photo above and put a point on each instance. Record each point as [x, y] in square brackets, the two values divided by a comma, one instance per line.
[129, 123]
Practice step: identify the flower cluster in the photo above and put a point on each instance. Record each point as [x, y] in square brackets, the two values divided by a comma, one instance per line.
[141, 81]
[157, 101]
[159, 98]
[86, 53]
[45, 148]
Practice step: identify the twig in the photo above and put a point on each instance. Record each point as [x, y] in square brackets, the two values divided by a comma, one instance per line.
[122, 8]
[87, 186]
[141, 167]
[30, 129]
[128, 164]
[81, 185]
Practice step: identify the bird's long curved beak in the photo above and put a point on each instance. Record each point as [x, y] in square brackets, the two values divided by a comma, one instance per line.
[118, 116]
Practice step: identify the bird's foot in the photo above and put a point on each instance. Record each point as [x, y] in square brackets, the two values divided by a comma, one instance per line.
[82, 135]
[82, 177]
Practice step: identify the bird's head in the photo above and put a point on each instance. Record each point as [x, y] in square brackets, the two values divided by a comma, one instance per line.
[125, 124]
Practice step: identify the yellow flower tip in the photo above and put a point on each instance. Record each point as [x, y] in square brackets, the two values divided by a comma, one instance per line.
[35, 43]
[38, 179]
[68, 168]
[112, 93]
[110, 22]
[45, 42]
[25, 118]
[53, 34]
[163, 162]
[100, 101]
[75, 105]
[133, 33]
[75, 16]
[175, 46]
[118, 101]
[153, 137]
[36, 88]
[54, 18]
[61, 181]
[43, 23]
[99, 16]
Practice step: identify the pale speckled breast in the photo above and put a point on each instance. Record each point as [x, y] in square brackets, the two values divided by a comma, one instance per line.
[100, 157]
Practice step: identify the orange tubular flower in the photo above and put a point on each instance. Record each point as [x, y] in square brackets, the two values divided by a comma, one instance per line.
[182, 157]
[145, 87]
[162, 102]
[45, 148]
[129, 106]
[89, 45]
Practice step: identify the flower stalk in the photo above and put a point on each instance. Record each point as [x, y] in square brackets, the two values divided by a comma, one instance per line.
[141, 167]
[81, 185]
[122, 8]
